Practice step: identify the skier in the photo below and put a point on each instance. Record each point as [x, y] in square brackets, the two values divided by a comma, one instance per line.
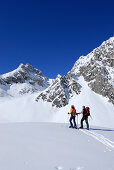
[85, 113]
[73, 115]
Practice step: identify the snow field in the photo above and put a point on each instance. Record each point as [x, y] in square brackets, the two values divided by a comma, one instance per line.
[51, 146]
[26, 109]
[102, 111]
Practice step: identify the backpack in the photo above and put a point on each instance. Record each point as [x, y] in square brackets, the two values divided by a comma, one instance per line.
[87, 111]
[74, 112]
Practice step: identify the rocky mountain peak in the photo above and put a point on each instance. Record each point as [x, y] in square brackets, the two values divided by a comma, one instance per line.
[97, 68]
[60, 91]
[30, 78]
[29, 69]
[21, 66]
[109, 41]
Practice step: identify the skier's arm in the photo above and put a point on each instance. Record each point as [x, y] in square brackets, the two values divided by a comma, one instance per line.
[80, 113]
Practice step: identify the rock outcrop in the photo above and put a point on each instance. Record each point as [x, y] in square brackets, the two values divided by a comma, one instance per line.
[97, 68]
[59, 92]
[27, 77]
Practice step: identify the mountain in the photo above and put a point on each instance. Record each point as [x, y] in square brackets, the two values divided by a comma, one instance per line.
[25, 79]
[97, 69]
[60, 91]
[26, 95]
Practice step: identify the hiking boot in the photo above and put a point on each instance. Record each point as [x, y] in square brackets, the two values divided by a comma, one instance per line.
[70, 126]
[75, 127]
[80, 127]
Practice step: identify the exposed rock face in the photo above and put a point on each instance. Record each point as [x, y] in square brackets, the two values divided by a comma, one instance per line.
[22, 74]
[97, 68]
[29, 78]
[59, 92]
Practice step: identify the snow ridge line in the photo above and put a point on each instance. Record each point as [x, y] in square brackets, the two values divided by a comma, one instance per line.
[100, 138]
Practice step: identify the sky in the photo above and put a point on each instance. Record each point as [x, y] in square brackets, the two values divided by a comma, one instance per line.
[52, 34]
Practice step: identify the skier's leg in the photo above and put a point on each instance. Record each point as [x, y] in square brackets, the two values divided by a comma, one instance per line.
[87, 122]
[82, 122]
[74, 121]
[71, 121]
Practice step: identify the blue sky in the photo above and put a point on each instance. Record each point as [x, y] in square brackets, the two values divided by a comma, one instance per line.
[52, 34]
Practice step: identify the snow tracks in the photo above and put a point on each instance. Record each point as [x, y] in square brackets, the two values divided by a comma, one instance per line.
[108, 143]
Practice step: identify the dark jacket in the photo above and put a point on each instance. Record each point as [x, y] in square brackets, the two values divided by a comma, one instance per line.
[84, 113]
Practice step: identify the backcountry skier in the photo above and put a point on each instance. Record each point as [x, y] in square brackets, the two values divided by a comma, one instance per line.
[73, 115]
[86, 113]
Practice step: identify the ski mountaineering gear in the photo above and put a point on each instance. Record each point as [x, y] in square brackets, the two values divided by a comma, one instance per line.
[73, 115]
[86, 113]
[77, 120]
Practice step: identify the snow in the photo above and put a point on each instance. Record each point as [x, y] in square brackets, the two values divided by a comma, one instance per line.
[29, 86]
[51, 146]
[26, 109]
[102, 111]
[111, 75]
[106, 48]
[18, 89]
[110, 41]
[10, 74]
[35, 135]
[17, 108]
[3, 93]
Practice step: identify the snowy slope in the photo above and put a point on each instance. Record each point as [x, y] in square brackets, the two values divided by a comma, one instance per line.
[46, 146]
[26, 95]
[26, 109]
[102, 111]
[97, 68]
[23, 80]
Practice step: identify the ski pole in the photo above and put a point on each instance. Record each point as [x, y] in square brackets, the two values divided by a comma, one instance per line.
[68, 117]
[91, 117]
[77, 120]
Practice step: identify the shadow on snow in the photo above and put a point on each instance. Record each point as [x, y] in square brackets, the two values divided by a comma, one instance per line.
[101, 129]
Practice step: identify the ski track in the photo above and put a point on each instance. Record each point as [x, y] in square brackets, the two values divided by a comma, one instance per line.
[100, 138]
[61, 168]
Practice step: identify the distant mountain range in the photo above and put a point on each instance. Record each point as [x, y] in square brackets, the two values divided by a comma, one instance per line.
[97, 69]
[27, 95]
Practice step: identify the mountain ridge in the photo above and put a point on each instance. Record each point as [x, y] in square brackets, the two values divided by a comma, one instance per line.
[25, 77]
[97, 68]
[50, 102]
